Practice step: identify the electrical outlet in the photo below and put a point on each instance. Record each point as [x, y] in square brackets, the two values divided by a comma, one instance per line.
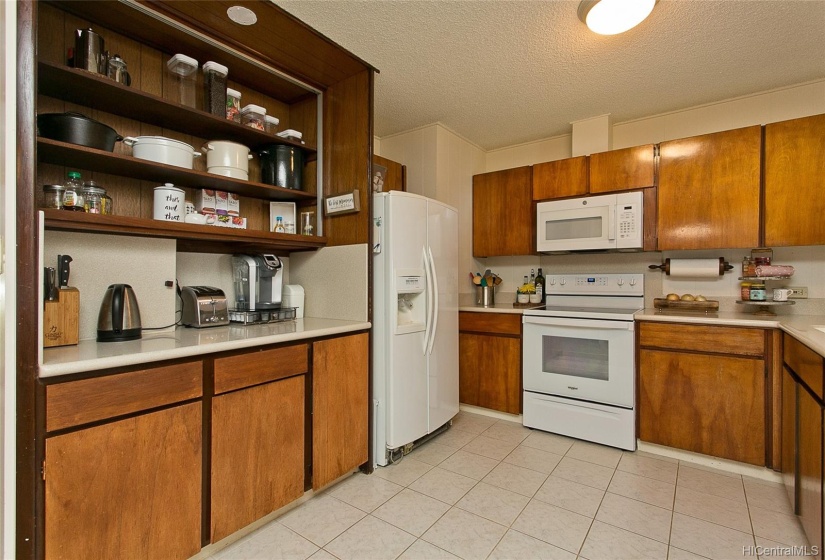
[798, 293]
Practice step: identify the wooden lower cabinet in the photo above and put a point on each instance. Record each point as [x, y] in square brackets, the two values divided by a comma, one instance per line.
[707, 404]
[340, 407]
[809, 465]
[489, 361]
[489, 372]
[803, 445]
[126, 489]
[257, 452]
[710, 403]
[789, 428]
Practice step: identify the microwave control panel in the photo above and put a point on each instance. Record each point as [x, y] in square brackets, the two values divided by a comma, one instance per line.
[629, 220]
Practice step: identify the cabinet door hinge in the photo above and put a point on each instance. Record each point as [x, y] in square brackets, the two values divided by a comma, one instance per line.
[43, 470]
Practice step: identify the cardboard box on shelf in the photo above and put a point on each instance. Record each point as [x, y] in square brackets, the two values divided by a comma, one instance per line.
[221, 203]
[233, 204]
[230, 221]
[205, 201]
[287, 211]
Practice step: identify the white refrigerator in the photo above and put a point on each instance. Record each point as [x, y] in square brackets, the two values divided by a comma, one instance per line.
[415, 317]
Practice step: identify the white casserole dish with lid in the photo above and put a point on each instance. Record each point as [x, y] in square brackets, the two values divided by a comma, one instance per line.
[162, 150]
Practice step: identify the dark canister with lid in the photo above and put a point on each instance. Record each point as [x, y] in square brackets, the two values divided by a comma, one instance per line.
[282, 166]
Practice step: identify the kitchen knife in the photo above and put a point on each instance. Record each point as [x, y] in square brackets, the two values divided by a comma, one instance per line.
[63, 270]
[50, 284]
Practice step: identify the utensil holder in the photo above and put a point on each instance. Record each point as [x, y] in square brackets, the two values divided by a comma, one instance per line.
[486, 296]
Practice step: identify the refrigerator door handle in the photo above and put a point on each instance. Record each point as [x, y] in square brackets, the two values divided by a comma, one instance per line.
[429, 295]
[435, 301]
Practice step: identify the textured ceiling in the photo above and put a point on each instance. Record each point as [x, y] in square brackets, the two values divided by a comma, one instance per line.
[502, 72]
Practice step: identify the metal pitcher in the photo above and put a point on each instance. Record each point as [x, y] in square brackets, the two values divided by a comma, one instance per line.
[88, 51]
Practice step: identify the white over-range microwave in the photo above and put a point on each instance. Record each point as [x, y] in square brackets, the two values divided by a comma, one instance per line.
[612, 221]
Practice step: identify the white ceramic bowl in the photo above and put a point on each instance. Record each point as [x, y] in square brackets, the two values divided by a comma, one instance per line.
[162, 150]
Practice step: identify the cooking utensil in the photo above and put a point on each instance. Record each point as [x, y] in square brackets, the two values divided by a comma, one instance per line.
[119, 317]
[63, 270]
[50, 291]
[229, 159]
[282, 166]
[76, 128]
[162, 150]
[88, 51]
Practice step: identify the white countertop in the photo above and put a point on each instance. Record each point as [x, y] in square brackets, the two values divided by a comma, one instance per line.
[801, 327]
[497, 308]
[90, 355]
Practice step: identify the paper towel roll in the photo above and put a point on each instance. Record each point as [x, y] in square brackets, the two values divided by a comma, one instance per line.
[694, 268]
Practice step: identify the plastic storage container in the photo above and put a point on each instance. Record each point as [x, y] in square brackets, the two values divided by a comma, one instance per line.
[253, 116]
[182, 72]
[293, 296]
[214, 87]
[233, 105]
[271, 124]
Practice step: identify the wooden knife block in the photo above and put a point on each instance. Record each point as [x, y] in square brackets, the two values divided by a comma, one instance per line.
[60, 319]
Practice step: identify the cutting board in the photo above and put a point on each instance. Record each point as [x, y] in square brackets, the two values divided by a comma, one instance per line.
[662, 303]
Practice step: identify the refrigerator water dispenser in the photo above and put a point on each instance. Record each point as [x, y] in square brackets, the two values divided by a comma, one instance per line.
[412, 301]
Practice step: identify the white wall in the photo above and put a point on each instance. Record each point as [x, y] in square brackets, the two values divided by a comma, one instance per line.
[8, 269]
[419, 148]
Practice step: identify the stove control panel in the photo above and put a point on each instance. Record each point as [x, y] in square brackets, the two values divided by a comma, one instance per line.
[595, 284]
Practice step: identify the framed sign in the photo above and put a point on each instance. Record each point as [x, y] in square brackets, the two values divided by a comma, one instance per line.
[342, 203]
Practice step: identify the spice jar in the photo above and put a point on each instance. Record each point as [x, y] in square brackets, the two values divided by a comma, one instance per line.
[745, 291]
[214, 87]
[757, 292]
[53, 196]
[233, 105]
[253, 116]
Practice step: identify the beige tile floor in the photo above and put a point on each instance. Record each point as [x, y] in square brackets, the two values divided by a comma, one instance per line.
[492, 489]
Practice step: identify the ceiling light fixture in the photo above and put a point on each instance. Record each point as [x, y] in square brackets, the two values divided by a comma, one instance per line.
[242, 15]
[610, 17]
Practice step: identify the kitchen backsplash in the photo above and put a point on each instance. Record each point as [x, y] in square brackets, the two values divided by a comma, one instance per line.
[101, 260]
[809, 264]
[335, 281]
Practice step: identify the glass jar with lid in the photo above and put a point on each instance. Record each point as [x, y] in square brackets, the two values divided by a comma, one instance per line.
[53, 196]
[757, 291]
[93, 198]
[108, 204]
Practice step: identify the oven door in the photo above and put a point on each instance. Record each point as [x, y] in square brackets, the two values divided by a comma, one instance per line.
[586, 359]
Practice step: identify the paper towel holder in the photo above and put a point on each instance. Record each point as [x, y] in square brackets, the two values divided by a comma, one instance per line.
[724, 266]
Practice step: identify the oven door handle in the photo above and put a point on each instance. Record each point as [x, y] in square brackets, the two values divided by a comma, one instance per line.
[578, 323]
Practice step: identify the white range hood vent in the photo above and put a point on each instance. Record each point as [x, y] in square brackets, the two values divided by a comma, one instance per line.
[592, 135]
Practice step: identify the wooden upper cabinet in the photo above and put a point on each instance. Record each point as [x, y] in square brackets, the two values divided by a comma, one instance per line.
[560, 179]
[395, 177]
[622, 170]
[795, 182]
[709, 191]
[503, 216]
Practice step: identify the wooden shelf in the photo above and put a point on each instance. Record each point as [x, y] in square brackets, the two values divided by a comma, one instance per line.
[62, 153]
[766, 302]
[101, 93]
[191, 237]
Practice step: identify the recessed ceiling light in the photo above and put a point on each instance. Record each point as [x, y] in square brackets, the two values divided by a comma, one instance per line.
[241, 15]
[610, 17]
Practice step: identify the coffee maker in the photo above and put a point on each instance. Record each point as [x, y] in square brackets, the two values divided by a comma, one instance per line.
[258, 282]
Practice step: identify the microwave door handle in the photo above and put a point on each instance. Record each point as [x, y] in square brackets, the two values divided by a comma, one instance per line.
[613, 210]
